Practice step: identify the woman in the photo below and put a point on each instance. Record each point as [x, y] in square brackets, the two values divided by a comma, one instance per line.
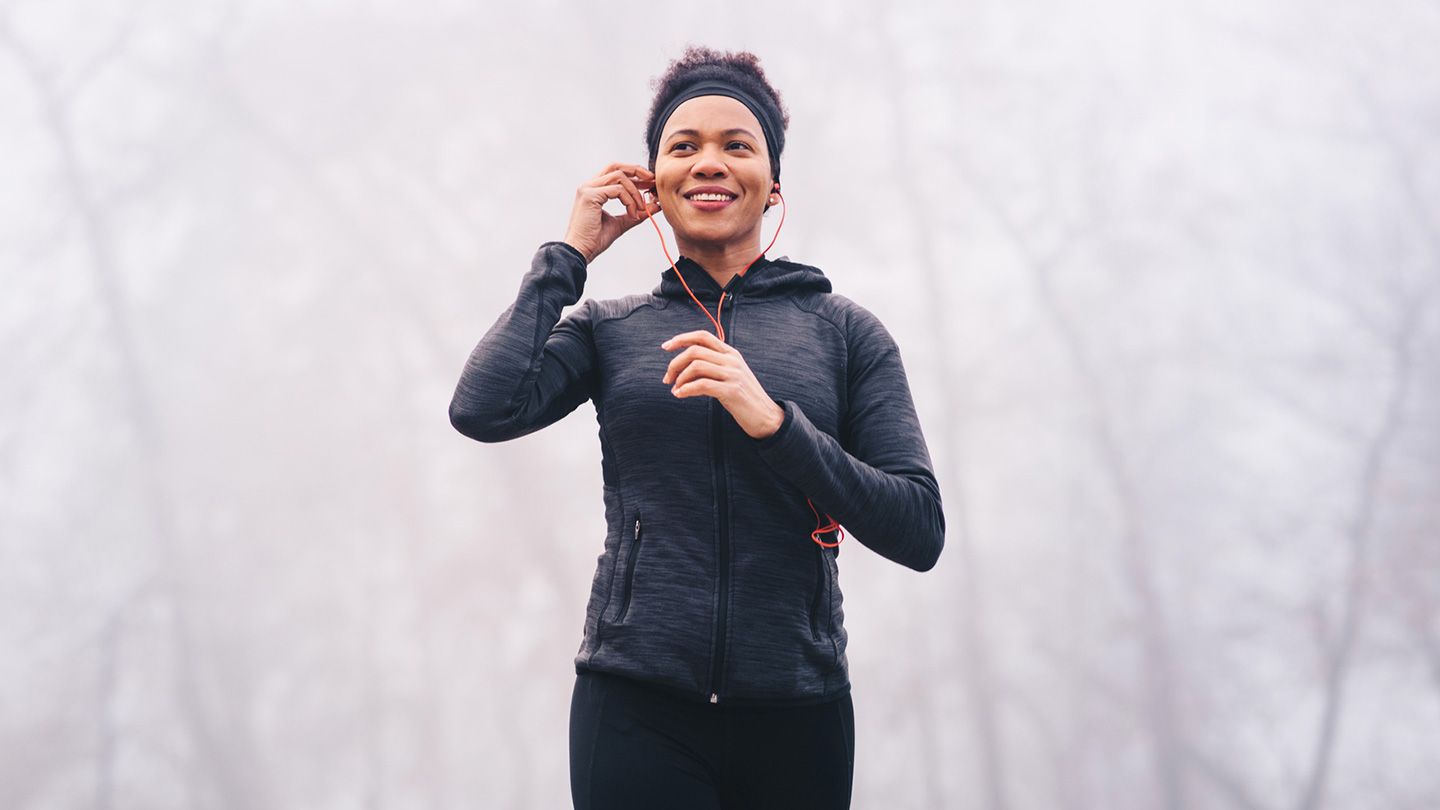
[739, 402]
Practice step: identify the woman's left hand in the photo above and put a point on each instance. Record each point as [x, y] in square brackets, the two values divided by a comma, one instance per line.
[711, 367]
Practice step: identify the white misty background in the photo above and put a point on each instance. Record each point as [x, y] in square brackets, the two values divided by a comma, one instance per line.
[1164, 277]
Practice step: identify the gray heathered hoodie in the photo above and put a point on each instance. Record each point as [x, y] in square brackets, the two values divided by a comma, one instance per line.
[710, 584]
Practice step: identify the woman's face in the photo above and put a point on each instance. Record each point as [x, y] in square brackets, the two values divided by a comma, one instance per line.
[713, 142]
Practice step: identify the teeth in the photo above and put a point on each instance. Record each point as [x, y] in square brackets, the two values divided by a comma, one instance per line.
[712, 197]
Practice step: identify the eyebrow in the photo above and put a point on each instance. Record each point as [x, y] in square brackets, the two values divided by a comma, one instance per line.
[695, 133]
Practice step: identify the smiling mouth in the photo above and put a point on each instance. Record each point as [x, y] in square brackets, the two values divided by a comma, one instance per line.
[710, 200]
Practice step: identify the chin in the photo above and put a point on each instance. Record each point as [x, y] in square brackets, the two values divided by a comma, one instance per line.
[710, 234]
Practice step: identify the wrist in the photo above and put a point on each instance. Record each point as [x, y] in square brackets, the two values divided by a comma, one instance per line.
[577, 244]
[776, 421]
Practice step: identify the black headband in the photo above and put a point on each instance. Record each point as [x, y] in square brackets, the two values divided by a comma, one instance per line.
[769, 119]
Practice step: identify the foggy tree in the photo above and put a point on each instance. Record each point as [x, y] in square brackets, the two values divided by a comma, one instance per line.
[1164, 280]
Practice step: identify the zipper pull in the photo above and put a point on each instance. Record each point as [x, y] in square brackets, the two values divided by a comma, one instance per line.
[637, 527]
[714, 698]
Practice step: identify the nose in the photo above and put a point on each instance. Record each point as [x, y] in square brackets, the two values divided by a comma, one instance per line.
[708, 163]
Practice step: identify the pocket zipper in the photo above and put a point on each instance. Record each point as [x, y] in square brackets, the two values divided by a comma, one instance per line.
[821, 582]
[630, 572]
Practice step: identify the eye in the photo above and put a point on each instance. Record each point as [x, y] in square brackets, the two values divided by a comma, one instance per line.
[680, 144]
[740, 144]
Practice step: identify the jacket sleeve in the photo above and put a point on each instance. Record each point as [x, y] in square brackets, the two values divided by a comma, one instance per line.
[528, 371]
[877, 479]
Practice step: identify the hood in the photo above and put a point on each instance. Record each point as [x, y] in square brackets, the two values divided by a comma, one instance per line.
[764, 279]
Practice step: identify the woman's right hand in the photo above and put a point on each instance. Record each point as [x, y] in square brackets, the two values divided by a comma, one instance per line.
[592, 229]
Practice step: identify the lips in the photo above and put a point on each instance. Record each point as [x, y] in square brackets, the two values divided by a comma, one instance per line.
[701, 191]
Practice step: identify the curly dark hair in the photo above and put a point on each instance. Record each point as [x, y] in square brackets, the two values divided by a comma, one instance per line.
[699, 63]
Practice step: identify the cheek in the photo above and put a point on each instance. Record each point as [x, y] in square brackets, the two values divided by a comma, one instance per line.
[763, 184]
[667, 186]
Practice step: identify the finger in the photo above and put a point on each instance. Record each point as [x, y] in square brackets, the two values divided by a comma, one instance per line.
[599, 195]
[629, 168]
[610, 179]
[638, 200]
[615, 171]
[703, 369]
[606, 181]
[699, 336]
[651, 209]
[694, 388]
[630, 195]
[676, 367]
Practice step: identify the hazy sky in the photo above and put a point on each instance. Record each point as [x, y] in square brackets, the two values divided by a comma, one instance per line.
[1163, 277]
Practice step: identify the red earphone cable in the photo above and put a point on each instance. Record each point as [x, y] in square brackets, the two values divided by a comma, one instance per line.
[832, 526]
[719, 330]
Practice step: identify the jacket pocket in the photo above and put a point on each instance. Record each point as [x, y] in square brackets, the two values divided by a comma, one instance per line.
[630, 570]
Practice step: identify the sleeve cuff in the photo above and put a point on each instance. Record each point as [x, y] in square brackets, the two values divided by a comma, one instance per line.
[795, 452]
[787, 426]
[567, 248]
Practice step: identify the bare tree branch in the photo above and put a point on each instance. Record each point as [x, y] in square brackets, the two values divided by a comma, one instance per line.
[1159, 673]
[138, 410]
[1359, 535]
[976, 654]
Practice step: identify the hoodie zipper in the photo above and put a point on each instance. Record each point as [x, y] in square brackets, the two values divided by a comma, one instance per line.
[722, 500]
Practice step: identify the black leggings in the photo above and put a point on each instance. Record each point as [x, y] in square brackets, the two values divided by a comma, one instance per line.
[637, 748]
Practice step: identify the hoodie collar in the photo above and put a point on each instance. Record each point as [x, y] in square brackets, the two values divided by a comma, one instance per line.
[764, 279]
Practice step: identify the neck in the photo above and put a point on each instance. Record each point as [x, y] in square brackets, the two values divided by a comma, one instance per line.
[722, 261]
